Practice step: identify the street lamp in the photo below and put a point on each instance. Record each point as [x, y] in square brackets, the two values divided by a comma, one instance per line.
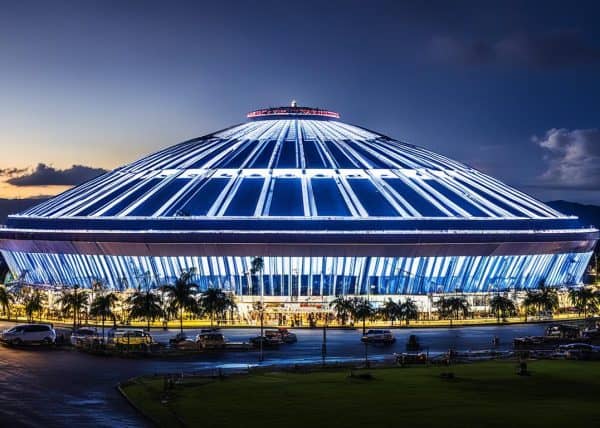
[371, 287]
[324, 345]
[262, 315]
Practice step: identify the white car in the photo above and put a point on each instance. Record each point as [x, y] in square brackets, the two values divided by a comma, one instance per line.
[83, 334]
[28, 334]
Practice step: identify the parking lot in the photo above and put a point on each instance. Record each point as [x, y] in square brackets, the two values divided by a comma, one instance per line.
[52, 387]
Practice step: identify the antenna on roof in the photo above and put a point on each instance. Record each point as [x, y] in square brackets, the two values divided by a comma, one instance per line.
[294, 103]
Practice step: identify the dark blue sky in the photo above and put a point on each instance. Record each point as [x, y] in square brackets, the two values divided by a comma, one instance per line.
[102, 83]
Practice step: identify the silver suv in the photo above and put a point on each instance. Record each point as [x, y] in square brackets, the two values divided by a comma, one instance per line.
[28, 334]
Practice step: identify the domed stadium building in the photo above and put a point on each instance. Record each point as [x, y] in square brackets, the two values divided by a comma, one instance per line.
[331, 209]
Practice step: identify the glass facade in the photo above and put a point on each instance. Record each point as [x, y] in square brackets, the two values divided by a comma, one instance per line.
[310, 276]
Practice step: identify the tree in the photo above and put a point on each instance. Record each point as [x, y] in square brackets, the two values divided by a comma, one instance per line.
[502, 307]
[409, 310]
[390, 311]
[361, 310]
[256, 267]
[72, 302]
[33, 302]
[6, 300]
[548, 298]
[452, 308]
[102, 306]
[542, 299]
[96, 289]
[182, 295]
[585, 300]
[215, 303]
[342, 307]
[530, 301]
[144, 305]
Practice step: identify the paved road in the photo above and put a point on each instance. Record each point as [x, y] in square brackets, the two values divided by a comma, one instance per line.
[58, 388]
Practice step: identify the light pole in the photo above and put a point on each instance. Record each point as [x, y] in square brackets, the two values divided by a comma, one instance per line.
[371, 287]
[262, 317]
[324, 345]
[596, 268]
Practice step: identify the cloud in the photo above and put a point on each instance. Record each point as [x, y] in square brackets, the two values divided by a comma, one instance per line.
[554, 49]
[11, 172]
[45, 175]
[572, 158]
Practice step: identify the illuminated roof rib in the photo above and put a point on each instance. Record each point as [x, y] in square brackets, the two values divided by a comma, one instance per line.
[295, 162]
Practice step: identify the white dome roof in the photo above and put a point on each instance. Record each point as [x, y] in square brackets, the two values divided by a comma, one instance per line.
[295, 162]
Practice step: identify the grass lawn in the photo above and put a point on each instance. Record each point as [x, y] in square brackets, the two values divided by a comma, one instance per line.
[490, 394]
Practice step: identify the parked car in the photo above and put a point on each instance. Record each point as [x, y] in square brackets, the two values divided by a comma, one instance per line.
[410, 358]
[130, 337]
[29, 334]
[579, 347]
[563, 331]
[186, 345]
[580, 351]
[384, 337]
[267, 341]
[84, 334]
[282, 333]
[179, 337]
[211, 340]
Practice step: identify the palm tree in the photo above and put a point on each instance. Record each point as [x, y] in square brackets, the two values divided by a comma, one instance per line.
[502, 307]
[215, 303]
[6, 300]
[256, 267]
[390, 311]
[72, 302]
[102, 306]
[96, 289]
[361, 310]
[144, 305]
[530, 301]
[169, 311]
[548, 298]
[34, 302]
[409, 310]
[342, 307]
[452, 307]
[182, 295]
[585, 300]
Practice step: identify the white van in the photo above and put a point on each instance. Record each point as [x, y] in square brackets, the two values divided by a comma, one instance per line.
[28, 334]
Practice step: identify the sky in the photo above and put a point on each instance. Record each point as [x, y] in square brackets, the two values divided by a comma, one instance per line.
[510, 88]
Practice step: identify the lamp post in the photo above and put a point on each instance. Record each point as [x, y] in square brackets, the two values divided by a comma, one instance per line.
[262, 315]
[324, 345]
[596, 268]
[371, 287]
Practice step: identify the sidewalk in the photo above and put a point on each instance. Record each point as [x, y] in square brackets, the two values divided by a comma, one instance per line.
[196, 324]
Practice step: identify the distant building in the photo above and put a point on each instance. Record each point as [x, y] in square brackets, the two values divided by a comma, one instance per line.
[331, 208]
